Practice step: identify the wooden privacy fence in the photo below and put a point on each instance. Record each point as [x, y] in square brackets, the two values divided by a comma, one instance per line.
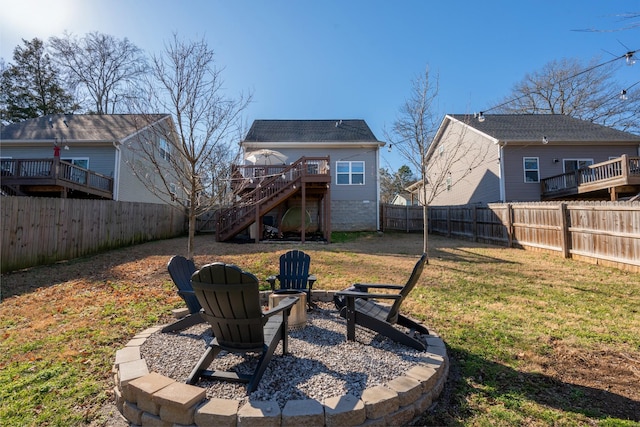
[603, 232]
[39, 231]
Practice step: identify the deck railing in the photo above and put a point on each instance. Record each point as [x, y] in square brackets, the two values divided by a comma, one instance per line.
[621, 170]
[53, 171]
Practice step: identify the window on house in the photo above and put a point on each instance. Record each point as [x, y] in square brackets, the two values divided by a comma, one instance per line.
[77, 175]
[571, 165]
[165, 151]
[350, 173]
[441, 150]
[531, 169]
[449, 183]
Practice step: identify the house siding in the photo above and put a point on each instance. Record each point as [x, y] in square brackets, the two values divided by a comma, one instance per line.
[481, 184]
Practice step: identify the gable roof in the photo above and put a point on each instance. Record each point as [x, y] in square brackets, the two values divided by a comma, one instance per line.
[532, 127]
[79, 127]
[310, 131]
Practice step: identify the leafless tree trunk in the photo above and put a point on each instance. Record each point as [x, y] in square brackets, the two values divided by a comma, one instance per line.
[191, 160]
[106, 69]
[413, 130]
[412, 136]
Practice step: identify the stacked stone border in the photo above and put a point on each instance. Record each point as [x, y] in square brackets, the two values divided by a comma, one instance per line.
[150, 399]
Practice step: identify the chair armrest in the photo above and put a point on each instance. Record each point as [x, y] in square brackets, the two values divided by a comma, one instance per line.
[377, 286]
[367, 295]
[186, 293]
[311, 279]
[284, 304]
[272, 282]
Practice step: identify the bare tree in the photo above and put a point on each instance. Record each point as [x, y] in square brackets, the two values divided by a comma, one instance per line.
[584, 91]
[191, 162]
[413, 131]
[106, 69]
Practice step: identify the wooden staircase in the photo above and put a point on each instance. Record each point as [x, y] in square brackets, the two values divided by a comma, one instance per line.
[271, 191]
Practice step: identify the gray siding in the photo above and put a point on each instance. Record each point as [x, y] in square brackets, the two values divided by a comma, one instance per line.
[353, 207]
[518, 190]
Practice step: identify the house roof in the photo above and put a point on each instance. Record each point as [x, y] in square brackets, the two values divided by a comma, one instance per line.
[310, 131]
[532, 127]
[78, 127]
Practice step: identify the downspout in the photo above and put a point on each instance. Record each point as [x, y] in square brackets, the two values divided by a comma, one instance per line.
[378, 188]
[502, 177]
[116, 172]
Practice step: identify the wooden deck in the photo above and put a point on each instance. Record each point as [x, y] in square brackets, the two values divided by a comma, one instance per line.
[260, 189]
[29, 177]
[607, 180]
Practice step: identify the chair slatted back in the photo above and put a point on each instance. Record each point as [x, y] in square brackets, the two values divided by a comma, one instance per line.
[411, 283]
[180, 270]
[294, 270]
[231, 301]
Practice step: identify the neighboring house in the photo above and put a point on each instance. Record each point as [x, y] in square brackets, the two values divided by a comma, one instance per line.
[404, 199]
[85, 156]
[331, 169]
[529, 157]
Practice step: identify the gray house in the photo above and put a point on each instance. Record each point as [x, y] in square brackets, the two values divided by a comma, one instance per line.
[85, 156]
[530, 157]
[325, 178]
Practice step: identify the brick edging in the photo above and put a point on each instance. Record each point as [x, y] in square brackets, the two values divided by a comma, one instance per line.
[148, 398]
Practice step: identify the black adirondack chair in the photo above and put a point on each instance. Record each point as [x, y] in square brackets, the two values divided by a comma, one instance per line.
[294, 275]
[180, 270]
[357, 306]
[230, 298]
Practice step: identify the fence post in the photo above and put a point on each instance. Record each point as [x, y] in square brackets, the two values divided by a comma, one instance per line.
[564, 230]
[509, 226]
[475, 223]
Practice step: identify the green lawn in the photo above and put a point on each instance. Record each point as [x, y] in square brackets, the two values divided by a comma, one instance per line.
[533, 339]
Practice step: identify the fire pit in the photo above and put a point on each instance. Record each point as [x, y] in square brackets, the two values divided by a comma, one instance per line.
[298, 316]
[325, 380]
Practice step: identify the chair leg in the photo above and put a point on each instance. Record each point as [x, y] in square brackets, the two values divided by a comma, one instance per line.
[265, 358]
[412, 324]
[389, 331]
[184, 323]
[205, 360]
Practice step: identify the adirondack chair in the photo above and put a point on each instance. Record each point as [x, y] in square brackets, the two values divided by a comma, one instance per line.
[230, 298]
[294, 275]
[357, 306]
[180, 270]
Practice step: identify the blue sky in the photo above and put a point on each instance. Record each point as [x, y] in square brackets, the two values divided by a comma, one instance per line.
[327, 59]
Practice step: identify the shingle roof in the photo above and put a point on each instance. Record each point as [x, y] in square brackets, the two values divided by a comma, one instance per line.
[532, 127]
[310, 131]
[78, 127]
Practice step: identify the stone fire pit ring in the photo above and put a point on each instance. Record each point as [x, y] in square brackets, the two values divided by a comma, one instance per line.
[148, 398]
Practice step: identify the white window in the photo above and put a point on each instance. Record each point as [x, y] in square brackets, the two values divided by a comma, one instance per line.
[165, 150]
[350, 173]
[531, 169]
